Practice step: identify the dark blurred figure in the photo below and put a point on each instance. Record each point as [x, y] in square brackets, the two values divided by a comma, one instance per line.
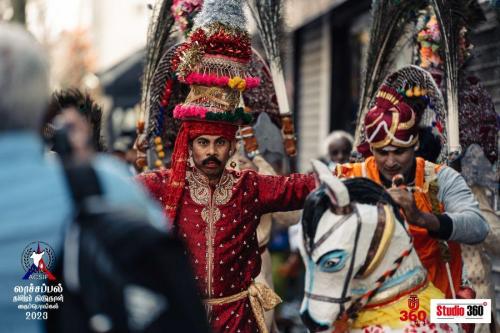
[123, 148]
[429, 147]
[37, 204]
[74, 99]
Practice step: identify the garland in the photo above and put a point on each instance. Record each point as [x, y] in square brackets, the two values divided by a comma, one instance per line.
[236, 82]
[195, 111]
[233, 117]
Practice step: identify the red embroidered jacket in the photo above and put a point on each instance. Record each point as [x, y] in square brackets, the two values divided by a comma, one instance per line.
[219, 226]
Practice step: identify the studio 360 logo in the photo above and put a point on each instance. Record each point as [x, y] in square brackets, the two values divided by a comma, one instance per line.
[462, 311]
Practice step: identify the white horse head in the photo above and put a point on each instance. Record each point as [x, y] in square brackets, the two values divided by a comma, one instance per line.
[338, 224]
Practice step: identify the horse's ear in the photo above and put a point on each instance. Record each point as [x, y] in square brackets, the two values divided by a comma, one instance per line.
[336, 190]
[319, 168]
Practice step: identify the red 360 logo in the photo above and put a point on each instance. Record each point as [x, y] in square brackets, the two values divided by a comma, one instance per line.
[413, 314]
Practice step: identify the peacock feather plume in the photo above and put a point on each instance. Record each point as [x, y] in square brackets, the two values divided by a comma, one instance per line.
[390, 20]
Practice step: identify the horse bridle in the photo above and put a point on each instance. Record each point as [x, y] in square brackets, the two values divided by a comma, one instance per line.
[352, 311]
[343, 299]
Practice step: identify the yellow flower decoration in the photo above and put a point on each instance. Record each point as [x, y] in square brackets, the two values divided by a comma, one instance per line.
[417, 92]
[237, 83]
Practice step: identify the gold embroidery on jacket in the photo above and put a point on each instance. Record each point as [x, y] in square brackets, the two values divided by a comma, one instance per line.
[201, 194]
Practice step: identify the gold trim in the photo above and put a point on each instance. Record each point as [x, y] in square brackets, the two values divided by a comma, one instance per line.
[216, 27]
[388, 96]
[224, 99]
[375, 121]
[383, 144]
[227, 299]
[262, 298]
[201, 193]
[409, 124]
[392, 130]
[384, 242]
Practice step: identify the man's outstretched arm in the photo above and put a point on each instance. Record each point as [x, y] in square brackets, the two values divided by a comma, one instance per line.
[280, 193]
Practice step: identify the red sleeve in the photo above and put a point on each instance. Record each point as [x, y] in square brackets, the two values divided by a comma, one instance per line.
[155, 182]
[279, 193]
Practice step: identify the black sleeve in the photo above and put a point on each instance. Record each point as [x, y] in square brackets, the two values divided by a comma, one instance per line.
[445, 227]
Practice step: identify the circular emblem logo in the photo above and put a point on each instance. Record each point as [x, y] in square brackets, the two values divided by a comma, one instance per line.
[38, 259]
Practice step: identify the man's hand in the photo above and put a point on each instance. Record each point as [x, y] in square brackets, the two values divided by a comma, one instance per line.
[405, 200]
[413, 215]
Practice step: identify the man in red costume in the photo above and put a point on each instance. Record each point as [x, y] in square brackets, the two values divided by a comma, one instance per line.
[214, 209]
[435, 200]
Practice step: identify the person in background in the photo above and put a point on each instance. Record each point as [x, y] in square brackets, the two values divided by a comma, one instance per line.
[479, 175]
[338, 147]
[35, 199]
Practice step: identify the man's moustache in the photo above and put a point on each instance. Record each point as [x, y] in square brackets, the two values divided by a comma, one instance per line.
[211, 159]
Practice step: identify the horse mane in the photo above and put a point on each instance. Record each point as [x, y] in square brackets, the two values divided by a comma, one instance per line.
[317, 202]
[366, 191]
[361, 190]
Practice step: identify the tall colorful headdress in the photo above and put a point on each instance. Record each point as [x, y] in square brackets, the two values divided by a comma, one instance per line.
[391, 20]
[164, 89]
[213, 62]
[408, 98]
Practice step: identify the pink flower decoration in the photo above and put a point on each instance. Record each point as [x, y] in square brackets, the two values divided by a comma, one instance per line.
[214, 80]
[185, 111]
[222, 81]
[252, 82]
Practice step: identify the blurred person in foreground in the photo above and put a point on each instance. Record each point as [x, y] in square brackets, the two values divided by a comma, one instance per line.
[36, 201]
[74, 99]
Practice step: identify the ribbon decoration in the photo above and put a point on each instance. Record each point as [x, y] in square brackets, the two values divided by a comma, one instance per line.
[262, 298]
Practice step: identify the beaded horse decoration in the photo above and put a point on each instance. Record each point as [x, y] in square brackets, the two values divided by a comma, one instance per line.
[361, 268]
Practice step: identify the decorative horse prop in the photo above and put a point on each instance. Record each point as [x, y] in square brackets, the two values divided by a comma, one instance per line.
[362, 274]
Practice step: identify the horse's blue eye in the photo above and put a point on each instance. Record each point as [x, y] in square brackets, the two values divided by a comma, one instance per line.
[332, 261]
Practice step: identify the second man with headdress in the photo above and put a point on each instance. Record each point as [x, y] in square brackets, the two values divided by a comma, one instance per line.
[436, 201]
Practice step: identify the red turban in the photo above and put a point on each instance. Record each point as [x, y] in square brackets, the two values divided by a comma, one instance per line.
[391, 121]
[190, 129]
